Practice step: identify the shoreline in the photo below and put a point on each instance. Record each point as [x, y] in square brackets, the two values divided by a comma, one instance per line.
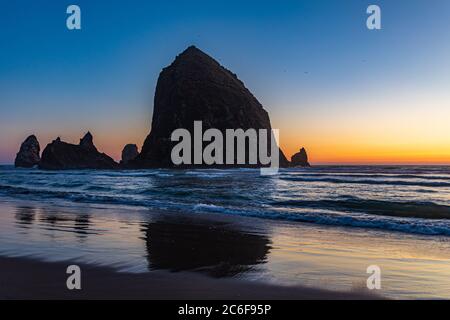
[30, 279]
[205, 255]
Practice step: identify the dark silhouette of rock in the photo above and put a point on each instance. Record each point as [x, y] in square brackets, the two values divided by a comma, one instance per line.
[59, 155]
[129, 152]
[195, 87]
[28, 155]
[87, 142]
[300, 159]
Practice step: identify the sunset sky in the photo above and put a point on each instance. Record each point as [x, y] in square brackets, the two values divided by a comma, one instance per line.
[345, 93]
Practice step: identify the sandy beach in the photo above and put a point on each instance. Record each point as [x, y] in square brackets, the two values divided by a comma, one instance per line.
[30, 279]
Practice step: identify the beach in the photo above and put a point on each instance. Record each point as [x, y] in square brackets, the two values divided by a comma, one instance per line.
[153, 234]
[31, 279]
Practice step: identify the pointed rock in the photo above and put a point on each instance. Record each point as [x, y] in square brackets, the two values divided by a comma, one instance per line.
[28, 155]
[195, 87]
[59, 155]
[300, 159]
[87, 142]
[129, 152]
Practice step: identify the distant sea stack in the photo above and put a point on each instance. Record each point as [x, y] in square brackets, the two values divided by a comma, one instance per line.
[129, 152]
[28, 155]
[59, 155]
[195, 87]
[300, 159]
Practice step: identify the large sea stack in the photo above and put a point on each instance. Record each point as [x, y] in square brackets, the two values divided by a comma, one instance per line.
[59, 155]
[28, 155]
[195, 87]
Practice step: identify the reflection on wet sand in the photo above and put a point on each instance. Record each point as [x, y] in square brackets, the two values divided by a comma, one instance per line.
[25, 216]
[170, 242]
[77, 223]
[217, 249]
[81, 226]
[224, 246]
[52, 219]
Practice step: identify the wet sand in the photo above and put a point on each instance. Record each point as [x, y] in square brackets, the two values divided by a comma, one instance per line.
[22, 278]
[149, 254]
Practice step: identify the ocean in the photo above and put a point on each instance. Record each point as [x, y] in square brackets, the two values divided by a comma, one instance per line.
[324, 224]
[404, 199]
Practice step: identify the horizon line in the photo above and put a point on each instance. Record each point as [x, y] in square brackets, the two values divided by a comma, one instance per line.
[379, 164]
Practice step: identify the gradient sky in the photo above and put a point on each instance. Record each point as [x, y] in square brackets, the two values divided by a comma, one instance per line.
[348, 94]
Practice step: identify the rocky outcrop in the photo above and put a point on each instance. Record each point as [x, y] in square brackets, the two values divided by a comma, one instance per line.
[129, 152]
[300, 159]
[195, 87]
[87, 143]
[28, 155]
[59, 155]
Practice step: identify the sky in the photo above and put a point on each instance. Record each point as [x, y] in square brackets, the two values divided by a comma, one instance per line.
[348, 94]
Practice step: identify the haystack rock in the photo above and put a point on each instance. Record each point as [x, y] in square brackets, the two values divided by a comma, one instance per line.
[195, 87]
[28, 155]
[300, 159]
[129, 152]
[60, 155]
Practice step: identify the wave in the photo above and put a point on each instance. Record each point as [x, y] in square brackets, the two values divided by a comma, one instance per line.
[316, 214]
[67, 184]
[209, 207]
[243, 192]
[426, 210]
[413, 209]
[395, 169]
[72, 195]
[372, 175]
[207, 174]
[415, 226]
[370, 182]
[97, 188]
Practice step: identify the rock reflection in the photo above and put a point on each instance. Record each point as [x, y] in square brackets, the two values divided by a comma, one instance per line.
[53, 217]
[25, 216]
[55, 220]
[217, 249]
[82, 224]
[78, 223]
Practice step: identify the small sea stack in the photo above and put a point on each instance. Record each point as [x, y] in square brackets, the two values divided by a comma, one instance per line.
[129, 152]
[59, 155]
[300, 159]
[28, 155]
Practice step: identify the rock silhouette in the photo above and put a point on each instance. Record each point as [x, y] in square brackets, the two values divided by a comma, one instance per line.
[195, 87]
[300, 159]
[59, 155]
[129, 152]
[87, 142]
[28, 155]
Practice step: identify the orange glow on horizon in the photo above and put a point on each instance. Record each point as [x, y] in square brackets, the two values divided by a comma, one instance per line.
[388, 135]
[365, 142]
[365, 156]
[319, 151]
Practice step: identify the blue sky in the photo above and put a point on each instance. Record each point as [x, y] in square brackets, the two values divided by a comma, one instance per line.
[314, 65]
